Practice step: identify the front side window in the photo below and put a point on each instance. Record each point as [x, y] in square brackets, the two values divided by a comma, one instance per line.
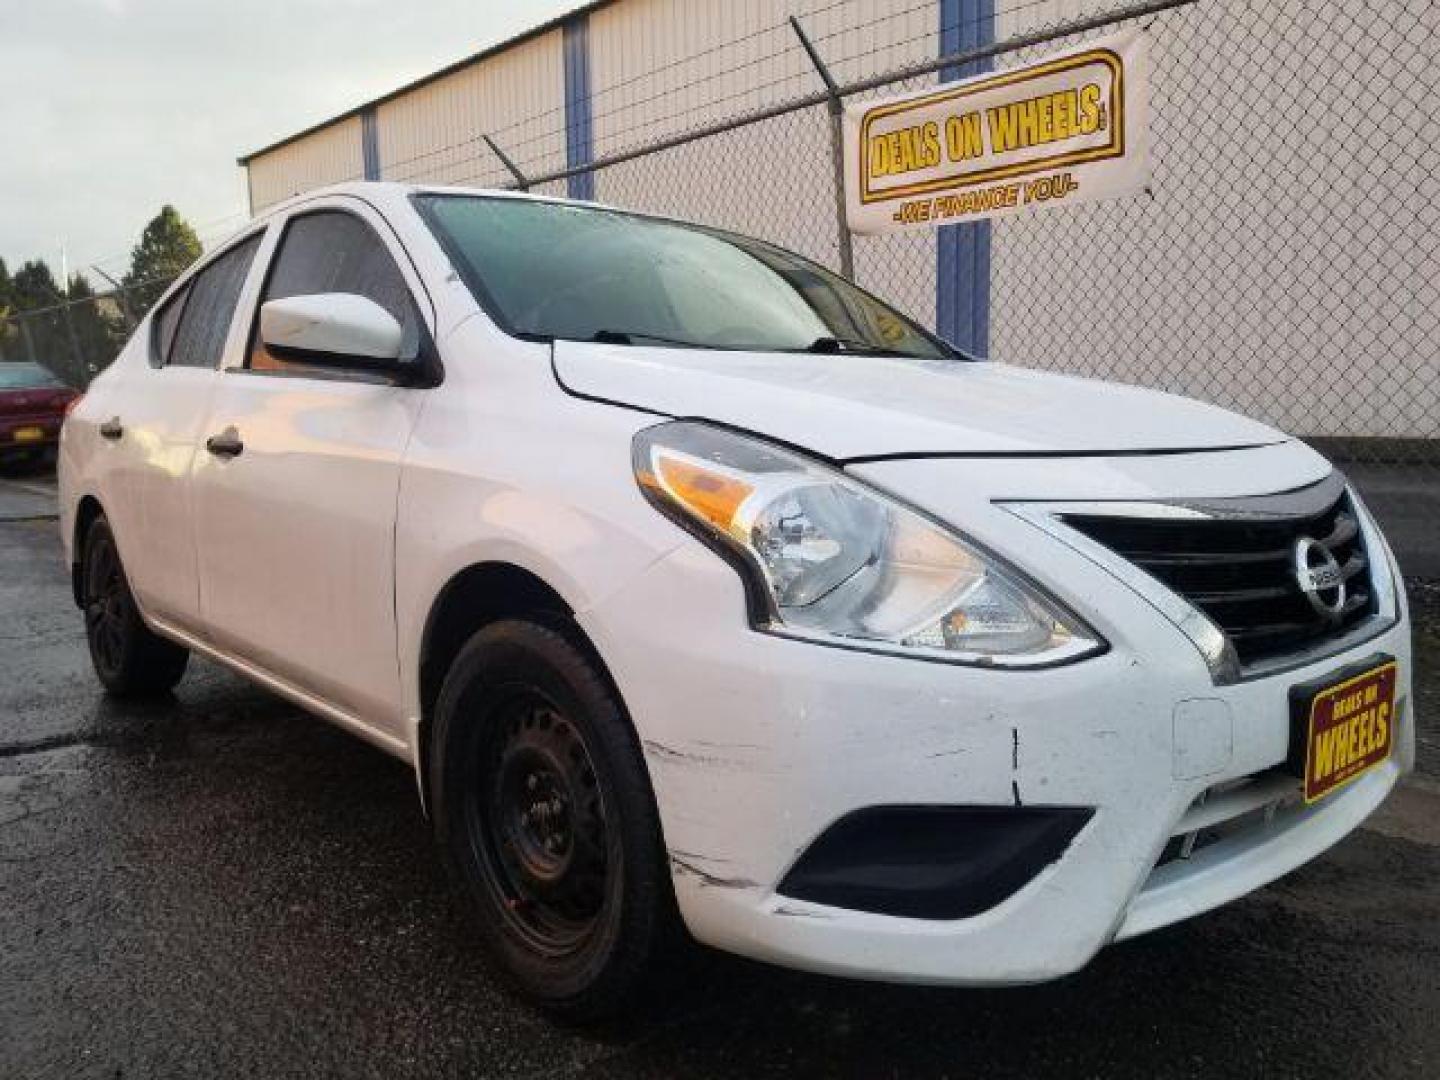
[554, 270]
[205, 311]
[331, 251]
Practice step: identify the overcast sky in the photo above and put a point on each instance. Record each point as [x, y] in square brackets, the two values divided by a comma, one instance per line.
[111, 108]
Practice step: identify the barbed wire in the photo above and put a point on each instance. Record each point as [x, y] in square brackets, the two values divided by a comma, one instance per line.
[396, 169]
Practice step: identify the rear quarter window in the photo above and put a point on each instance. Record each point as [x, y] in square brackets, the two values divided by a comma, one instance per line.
[164, 325]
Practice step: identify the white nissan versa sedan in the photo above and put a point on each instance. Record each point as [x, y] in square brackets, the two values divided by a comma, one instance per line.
[694, 581]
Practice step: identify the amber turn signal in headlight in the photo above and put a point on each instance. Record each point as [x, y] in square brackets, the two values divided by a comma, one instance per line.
[827, 558]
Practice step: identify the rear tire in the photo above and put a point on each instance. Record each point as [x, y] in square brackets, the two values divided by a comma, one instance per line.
[542, 805]
[129, 660]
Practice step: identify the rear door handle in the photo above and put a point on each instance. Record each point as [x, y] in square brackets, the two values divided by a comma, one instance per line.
[227, 444]
[112, 429]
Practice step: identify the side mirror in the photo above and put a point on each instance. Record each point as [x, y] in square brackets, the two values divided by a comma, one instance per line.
[332, 329]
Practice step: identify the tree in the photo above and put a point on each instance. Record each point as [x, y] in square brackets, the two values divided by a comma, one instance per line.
[37, 298]
[34, 286]
[167, 246]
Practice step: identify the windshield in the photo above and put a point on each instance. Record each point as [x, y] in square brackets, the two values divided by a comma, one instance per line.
[554, 270]
[27, 377]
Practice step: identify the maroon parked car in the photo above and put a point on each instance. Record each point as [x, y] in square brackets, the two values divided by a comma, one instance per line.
[32, 407]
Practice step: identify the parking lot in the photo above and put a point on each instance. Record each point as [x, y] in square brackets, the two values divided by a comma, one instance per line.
[220, 885]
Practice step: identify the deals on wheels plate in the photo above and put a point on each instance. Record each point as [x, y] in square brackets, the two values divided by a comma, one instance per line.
[1343, 726]
[1066, 129]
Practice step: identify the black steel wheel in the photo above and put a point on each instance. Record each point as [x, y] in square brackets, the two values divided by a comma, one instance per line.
[541, 823]
[542, 805]
[128, 659]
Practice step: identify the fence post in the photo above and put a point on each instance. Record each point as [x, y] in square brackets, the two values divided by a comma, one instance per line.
[837, 148]
[122, 299]
[25, 334]
[82, 367]
[520, 181]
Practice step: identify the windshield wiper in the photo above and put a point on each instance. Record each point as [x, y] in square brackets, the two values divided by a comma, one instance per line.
[628, 337]
[826, 345]
[833, 345]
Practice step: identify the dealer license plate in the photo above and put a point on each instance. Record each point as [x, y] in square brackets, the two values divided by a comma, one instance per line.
[1343, 726]
[29, 434]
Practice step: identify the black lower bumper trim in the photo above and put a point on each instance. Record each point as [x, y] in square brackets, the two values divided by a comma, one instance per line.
[932, 862]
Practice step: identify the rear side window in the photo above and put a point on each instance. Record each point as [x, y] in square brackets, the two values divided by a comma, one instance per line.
[330, 251]
[208, 309]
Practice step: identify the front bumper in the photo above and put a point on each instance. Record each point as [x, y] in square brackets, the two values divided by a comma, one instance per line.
[757, 744]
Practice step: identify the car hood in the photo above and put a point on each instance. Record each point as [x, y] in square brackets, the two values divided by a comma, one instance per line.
[848, 406]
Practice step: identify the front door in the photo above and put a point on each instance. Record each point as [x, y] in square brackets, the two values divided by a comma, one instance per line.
[295, 492]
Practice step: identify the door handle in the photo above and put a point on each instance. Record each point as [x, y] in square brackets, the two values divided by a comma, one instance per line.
[227, 444]
[111, 429]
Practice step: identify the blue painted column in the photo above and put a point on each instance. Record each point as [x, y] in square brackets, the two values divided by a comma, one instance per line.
[579, 137]
[962, 257]
[370, 143]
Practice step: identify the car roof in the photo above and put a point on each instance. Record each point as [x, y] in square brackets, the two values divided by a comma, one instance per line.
[391, 189]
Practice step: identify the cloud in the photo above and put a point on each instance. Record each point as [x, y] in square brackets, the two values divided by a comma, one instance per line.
[111, 108]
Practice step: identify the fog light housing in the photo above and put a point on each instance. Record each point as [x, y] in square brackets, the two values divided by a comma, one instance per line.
[932, 862]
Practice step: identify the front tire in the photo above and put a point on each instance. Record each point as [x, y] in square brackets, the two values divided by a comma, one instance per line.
[543, 808]
[129, 660]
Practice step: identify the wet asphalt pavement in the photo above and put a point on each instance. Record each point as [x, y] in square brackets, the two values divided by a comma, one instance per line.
[219, 885]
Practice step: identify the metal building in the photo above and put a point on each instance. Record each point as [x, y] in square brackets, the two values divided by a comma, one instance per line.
[1285, 262]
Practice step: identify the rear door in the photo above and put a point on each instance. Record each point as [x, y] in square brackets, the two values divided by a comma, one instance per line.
[155, 417]
[296, 531]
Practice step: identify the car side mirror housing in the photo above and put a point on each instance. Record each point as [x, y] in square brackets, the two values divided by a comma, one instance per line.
[333, 329]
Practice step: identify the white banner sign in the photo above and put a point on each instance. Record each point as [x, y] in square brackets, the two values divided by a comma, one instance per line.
[1066, 129]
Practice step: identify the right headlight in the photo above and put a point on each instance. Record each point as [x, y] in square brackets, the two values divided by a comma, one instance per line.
[827, 558]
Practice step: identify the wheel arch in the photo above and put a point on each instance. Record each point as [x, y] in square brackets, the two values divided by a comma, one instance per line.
[478, 595]
[86, 511]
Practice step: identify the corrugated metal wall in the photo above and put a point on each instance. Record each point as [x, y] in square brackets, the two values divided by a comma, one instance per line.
[328, 156]
[432, 133]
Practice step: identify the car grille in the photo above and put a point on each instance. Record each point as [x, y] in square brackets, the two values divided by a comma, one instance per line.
[1240, 570]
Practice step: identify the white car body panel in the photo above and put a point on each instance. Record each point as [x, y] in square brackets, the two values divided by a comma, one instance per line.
[313, 561]
[862, 406]
[485, 482]
[163, 424]
[296, 535]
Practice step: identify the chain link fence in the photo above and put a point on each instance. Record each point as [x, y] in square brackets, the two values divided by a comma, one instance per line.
[77, 339]
[1284, 263]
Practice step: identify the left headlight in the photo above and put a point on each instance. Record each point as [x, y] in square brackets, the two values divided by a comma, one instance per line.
[827, 558]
